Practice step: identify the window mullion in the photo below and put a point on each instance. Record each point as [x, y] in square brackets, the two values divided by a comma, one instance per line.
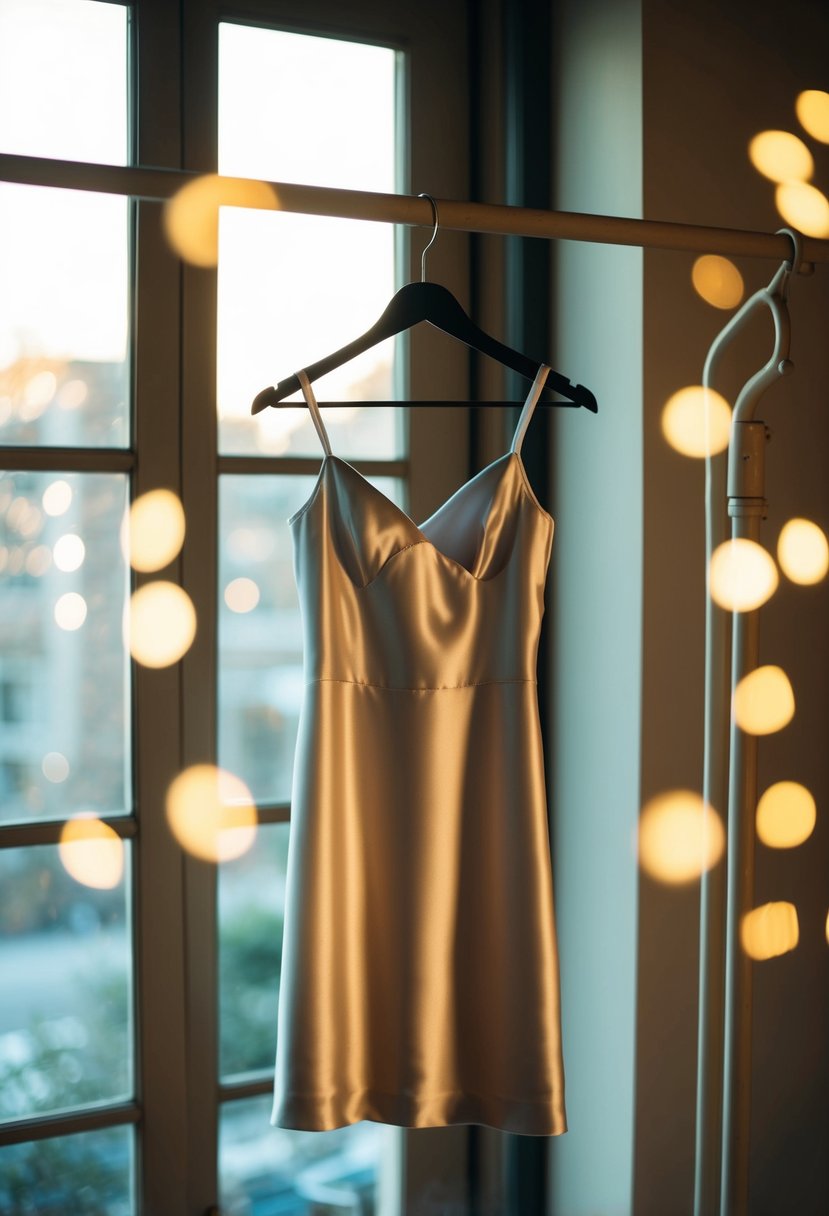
[199, 65]
[159, 914]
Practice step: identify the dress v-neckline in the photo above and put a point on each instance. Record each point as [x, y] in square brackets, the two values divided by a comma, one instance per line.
[508, 459]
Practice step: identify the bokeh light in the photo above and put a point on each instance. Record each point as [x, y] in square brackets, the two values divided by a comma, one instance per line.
[764, 701]
[38, 560]
[803, 552]
[55, 767]
[159, 624]
[92, 852]
[781, 156]
[241, 595]
[770, 930]
[684, 421]
[717, 280]
[211, 813]
[812, 109]
[679, 837]
[70, 611]
[153, 531]
[191, 216]
[57, 497]
[68, 552]
[804, 207]
[743, 575]
[786, 815]
[72, 394]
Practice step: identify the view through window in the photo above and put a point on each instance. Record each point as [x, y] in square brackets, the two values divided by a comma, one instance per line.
[292, 288]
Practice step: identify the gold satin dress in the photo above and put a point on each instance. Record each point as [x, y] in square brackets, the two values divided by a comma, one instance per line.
[420, 971]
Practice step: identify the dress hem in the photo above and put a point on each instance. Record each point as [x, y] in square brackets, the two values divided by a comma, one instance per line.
[317, 1112]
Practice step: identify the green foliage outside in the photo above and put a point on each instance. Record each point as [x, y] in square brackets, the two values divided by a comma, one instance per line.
[57, 1064]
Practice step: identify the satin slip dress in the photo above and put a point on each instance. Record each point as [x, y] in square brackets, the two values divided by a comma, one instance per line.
[420, 971]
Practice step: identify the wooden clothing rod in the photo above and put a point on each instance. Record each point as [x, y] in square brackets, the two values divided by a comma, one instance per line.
[157, 185]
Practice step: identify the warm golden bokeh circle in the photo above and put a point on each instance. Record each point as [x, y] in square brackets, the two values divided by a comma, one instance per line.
[764, 701]
[159, 624]
[241, 595]
[697, 421]
[91, 852]
[679, 837]
[717, 281]
[803, 552]
[770, 930]
[211, 813]
[812, 109]
[781, 156]
[742, 575]
[153, 531]
[786, 815]
[191, 215]
[804, 207]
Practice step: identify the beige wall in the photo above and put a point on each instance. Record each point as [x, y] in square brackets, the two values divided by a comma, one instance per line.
[629, 597]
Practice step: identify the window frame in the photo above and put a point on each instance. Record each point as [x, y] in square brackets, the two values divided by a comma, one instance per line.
[172, 51]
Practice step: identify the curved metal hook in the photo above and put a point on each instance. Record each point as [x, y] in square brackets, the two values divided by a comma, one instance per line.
[434, 236]
[774, 297]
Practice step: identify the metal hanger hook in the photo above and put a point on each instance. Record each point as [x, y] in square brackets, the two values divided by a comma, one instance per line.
[434, 236]
[793, 265]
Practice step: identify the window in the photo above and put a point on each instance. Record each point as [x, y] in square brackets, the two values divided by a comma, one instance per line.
[139, 980]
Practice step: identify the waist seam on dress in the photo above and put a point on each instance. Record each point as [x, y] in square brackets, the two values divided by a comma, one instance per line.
[403, 688]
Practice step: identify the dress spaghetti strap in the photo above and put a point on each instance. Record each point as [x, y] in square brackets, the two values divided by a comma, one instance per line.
[529, 405]
[308, 394]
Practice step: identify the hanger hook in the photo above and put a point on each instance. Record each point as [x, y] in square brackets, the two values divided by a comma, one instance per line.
[434, 236]
[797, 247]
[793, 265]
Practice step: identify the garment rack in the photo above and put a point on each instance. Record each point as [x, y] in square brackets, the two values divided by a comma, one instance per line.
[158, 185]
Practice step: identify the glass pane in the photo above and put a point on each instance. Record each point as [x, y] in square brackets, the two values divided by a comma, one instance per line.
[63, 80]
[293, 288]
[65, 1016]
[88, 1174]
[271, 1171]
[251, 912]
[260, 640]
[64, 676]
[63, 318]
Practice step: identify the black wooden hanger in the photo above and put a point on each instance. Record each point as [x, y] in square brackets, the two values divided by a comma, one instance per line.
[433, 303]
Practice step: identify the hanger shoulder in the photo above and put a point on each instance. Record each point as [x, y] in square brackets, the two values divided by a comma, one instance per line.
[432, 302]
